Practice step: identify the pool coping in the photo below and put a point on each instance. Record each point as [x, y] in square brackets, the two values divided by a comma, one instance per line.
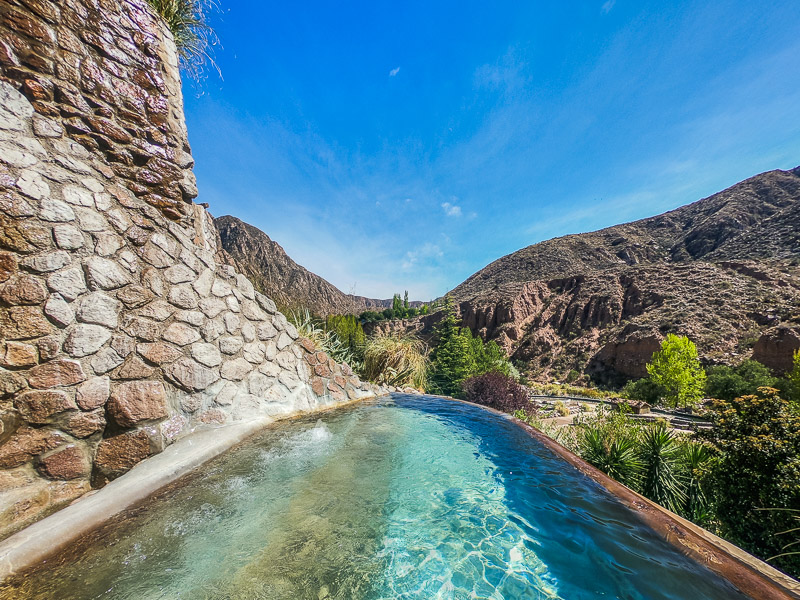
[750, 575]
[31, 547]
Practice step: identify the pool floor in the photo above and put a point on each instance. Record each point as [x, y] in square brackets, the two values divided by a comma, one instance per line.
[402, 497]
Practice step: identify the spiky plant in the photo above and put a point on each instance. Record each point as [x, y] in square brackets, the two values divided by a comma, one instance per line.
[187, 20]
[696, 459]
[614, 455]
[396, 360]
[326, 340]
[661, 477]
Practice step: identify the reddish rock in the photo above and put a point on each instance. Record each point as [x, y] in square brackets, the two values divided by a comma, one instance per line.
[17, 354]
[93, 393]
[311, 359]
[318, 386]
[82, 425]
[322, 357]
[39, 405]
[322, 370]
[23, 290]
[159, 353]
[134, 368]
[340, 381]
[213, 416]
[307, 344]
[48, 347]
[137, 401]
[65, 463]
[27, 443]
[8, 265]
[118, 454]
[56, 373]
[23, 322]
[776, 348]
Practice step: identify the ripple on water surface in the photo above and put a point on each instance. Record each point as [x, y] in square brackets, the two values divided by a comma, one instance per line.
[398, 498]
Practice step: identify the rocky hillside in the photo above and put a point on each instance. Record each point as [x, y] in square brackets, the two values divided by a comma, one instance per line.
[268, 266]
[724, 270]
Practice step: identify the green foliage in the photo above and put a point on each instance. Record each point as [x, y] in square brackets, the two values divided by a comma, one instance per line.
[697, 460]
[677, 369]
[644, 390]
[348, 328]
[326, 340]
[399, 360]
[758, 440]
[660, 454]
[561, 409]
[186, 19]
[613, 455]
[727, 383]
[794, 377]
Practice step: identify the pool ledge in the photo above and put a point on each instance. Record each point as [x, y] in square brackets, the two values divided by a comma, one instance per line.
[750, 575]
[41, 540]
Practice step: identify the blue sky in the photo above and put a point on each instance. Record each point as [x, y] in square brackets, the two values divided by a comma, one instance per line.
[395, 146]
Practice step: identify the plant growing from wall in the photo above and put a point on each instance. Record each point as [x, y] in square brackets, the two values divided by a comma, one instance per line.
[187, 20]
[676, 368]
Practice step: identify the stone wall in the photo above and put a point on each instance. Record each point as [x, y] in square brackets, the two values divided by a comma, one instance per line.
[120, 330]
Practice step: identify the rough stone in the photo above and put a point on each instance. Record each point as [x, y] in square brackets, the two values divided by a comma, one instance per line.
[84, 340]
[192, 317]
[69, 462]
[212, 329]
[230, 345]
[78, 196]
[159, 353]
[59, 311]
[245, 286]
[179, 273]
[253, 352]
[266, 303]
[47, 263]
[191, 375]
[221, 289]
[232, 303]
[26, 443]
[55, 211]
[106, 360]
[117, 455]
[105, 274]
[135, 402]
[318, 386]
[61, 372]
[107, 243]
[134, 368]
[17, 354]
[203, 283]
[93, 393]
[39, 405]
[265, 331]
[183, 296]
[284, 340]
[49, 347]
[134, 296]
[8, 265]
[123, 344]
[213, 416]
[98, 309]
[236, 369]
[211, 306]
[206, 354]
[181, 334]
[23, 290]
[69, 283]
[271, 350]
[227, 394]
[83, 425]
[290, 380]
[231, 322]
[141, 328]
[248, 332]
[286, 360]
[68, 237]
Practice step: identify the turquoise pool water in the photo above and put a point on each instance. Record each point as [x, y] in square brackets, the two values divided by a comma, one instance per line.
[404, 497]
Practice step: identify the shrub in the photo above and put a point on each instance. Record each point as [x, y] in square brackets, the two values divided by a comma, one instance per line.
[327, 341]
[677, 369]
[561, 408]
[396, 360]
[497, 391]
[614, 456]
[660, 456]
[186, 19]
[727, 383]
[794, 377]
[644, 390]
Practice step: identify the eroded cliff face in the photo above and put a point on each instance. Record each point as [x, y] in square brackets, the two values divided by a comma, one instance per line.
[121, 331]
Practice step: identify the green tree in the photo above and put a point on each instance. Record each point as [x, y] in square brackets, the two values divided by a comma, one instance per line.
[758, 441]
[794, 376]
[405, 300]
[453, 357]
[425, 309]
[727, 383]
[677, 369]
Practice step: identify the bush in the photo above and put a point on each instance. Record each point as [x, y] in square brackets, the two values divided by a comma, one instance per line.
[396, 360]
[644, 390]
[561, 408]
[496, 390]
[727, 383]
[677, 369]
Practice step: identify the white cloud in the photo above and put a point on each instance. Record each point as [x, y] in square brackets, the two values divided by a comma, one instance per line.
[606, 8]
[451, 210]
[394, 71]
[426, 251]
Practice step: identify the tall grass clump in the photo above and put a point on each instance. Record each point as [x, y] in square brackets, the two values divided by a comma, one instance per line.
[398, 360]
[324, 339]
[188, 22]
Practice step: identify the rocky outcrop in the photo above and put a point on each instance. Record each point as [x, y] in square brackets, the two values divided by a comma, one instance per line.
[120, 329]
[275, 274]
[776, 348]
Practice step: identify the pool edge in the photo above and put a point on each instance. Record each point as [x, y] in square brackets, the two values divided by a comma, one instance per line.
[34, 545]
[749, 574]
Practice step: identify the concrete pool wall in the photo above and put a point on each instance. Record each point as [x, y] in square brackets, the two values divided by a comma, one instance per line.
[123, 325]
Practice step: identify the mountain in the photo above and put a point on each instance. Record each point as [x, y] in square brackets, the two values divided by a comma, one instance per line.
[276, 275]
[724, 270]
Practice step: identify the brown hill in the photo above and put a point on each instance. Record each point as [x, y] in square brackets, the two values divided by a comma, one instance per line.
[276, 275]
[723, 270]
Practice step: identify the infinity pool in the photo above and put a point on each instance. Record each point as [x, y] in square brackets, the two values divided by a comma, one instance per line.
[403, 497]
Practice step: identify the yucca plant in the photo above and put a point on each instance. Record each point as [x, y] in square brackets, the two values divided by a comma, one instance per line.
[615, 456]
[696, 459]
[396, 360]
[661, 478]
[187, 20]
[326, 340]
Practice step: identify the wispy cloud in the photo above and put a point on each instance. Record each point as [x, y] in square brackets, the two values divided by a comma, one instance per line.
[425, 252]
[451, 210]
[607, 6]
[394, 72]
